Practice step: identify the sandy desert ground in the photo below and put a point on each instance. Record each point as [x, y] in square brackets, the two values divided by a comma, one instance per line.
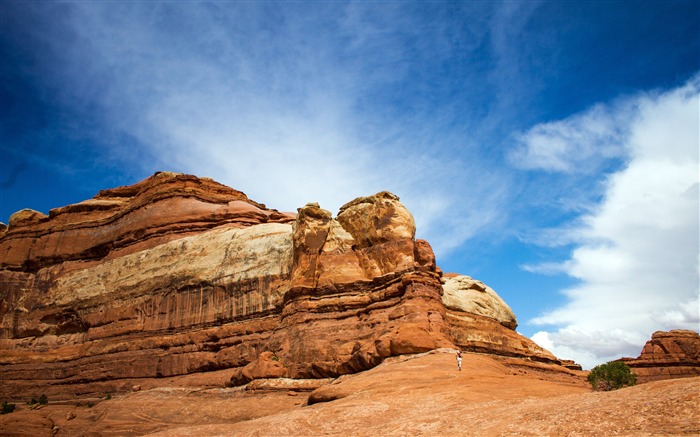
[411, 395]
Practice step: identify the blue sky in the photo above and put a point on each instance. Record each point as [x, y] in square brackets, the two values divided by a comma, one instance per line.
[549, 149]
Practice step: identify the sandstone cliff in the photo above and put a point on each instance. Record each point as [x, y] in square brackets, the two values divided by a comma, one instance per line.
[177, 275]
[668, 355]
[480, 321]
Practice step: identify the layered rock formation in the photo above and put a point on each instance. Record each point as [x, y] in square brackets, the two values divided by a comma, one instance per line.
[464, 294]
[480, 321]
[177, 274]
[668, 355]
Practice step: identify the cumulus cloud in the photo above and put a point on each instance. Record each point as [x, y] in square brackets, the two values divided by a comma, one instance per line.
[635, 254]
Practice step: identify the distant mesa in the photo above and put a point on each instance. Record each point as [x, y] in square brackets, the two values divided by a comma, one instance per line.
[179, 275]
[668, 355]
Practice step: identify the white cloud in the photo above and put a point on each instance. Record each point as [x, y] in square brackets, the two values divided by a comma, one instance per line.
[684, 314]
[580, 143]
[299, 102]
[636, 254]
[245, 95]
[590, 347]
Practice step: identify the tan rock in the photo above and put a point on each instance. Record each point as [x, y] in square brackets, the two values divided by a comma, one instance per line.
[377, 219]
[289, 385]
[462, 293]
[220, 255]
[383, 231]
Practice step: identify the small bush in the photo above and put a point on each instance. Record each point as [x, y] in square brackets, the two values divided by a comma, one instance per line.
[33, 402]
[108, 396]
[611, 376]
[90, 404]
[43, 400]
[7, 408]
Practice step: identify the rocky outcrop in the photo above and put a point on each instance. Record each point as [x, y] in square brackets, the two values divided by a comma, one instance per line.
[464, 294]
[177, 275]
[668, 355]
[355, 288]
[266, 366]
[480, 321]
[128, 219]
[571, 364]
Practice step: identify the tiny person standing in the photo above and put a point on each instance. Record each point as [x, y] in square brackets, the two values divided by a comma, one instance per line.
[459, 360]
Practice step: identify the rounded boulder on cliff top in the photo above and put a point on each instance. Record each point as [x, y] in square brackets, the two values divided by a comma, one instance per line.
[376, 219]
[462, 293]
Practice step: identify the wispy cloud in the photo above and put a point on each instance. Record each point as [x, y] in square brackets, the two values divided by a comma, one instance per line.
[245, 94]
[636, 253]
[294, 102]
[581, 143]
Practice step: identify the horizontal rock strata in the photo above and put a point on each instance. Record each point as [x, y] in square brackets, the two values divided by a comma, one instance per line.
[668, 355]
[177, 274]
[464, 294]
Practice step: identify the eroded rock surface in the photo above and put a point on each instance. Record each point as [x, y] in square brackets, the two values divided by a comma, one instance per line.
[177, 275]
[127, 219]
[668, 355]
[421, 394]
[462, 293]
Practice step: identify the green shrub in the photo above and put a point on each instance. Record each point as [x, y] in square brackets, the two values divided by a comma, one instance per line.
[611, 376]
[7, 408]
[108, 396]
[43, 400]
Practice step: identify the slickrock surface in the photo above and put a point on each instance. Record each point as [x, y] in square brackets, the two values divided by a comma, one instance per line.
[178, 275]
[420, 394]
[672, 354]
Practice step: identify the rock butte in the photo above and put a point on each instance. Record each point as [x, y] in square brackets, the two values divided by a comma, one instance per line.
[668, 355]
[165, 291]
[177, 275]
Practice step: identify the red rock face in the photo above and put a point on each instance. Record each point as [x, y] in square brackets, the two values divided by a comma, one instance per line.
[123, 220]
[177, 275]
[267, 365]
[668, 355]
[476, 333]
